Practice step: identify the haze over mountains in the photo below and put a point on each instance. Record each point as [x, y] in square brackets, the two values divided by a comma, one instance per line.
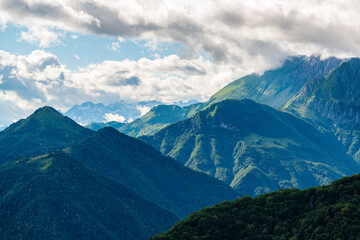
[89, 112]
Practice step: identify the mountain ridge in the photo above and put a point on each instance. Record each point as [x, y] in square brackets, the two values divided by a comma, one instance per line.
[243, 143]
[160, 179]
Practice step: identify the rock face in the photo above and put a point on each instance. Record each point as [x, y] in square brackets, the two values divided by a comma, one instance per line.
[276, 87]
[254, 148]
[56, 197]
[333, 103]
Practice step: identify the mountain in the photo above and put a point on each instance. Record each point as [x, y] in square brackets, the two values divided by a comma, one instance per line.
[56, 197]
[159, 117]
[127, 111]
[160, 179]
[254, 148]
[96, 126]
[327, 212]
[333, 103]
[276, 87]
[43, 131]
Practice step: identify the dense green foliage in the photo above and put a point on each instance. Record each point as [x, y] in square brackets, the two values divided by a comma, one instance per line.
[327, 212]
[160, 179]
[56, 197]
[159, 117]
[96, 126]
[43, 131]
[276, 87]
[254, 148]
[333, 103]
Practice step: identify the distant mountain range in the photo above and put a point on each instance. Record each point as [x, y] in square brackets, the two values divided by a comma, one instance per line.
[56, 197]
[333, 103]
[89, 112]
[328, 212]
[93, 115]
[254, 148]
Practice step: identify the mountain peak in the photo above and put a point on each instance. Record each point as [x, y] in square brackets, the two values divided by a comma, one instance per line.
[46, 110]
[43, 131]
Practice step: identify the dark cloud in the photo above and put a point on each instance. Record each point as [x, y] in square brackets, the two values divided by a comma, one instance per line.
[135, 81]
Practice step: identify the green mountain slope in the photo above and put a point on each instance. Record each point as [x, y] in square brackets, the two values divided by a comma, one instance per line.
[254, 148]
[276, 87]
[158, 118]
[55, 197]
[333, 103]
[160, 179]
[43, 131]
[328, 212]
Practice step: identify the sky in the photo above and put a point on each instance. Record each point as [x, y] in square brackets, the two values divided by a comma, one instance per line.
[65, 52]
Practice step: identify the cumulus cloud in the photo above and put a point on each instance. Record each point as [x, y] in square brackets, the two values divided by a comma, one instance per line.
[143, 109]
[41, 36]
[252, 34]
[109, 117]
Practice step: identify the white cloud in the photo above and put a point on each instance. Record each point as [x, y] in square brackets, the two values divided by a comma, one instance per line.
[76, 57]
[41, 36]
[74, 36]
[109, 117]
[143, 109]
[250, 34]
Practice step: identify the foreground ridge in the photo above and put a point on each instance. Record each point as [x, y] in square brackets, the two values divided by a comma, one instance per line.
[327, 212]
